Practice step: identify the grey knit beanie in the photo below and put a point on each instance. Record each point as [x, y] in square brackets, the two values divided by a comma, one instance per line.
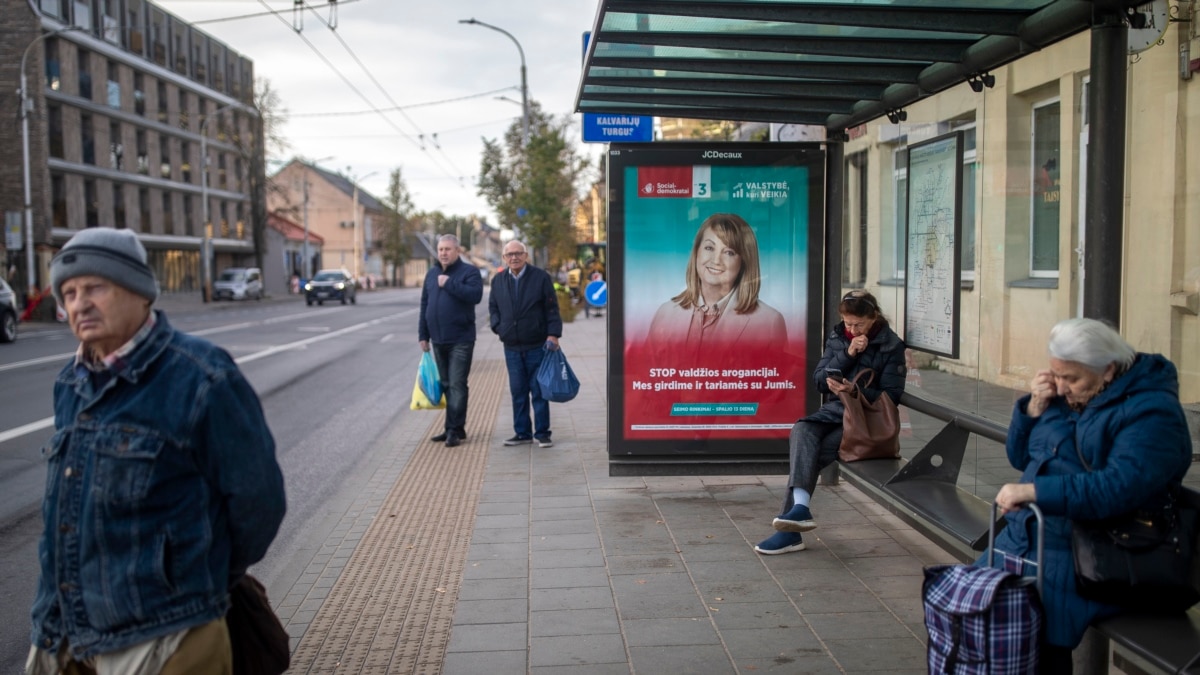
[106, 252]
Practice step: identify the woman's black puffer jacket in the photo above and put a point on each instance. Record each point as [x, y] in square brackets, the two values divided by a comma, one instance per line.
[884, 354]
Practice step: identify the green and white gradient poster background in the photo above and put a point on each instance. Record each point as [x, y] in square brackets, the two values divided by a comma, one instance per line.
[750, 388]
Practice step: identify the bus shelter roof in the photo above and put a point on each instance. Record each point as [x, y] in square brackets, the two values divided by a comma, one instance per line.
[828, 63]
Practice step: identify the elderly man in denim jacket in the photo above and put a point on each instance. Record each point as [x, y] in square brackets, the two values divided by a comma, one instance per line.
[163, 485]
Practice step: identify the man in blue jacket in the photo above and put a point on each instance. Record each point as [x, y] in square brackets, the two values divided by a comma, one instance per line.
[447, 326]
[524, 313]
[162, 484]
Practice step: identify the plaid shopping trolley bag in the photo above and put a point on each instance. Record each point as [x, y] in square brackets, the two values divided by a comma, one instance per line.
[984, 620]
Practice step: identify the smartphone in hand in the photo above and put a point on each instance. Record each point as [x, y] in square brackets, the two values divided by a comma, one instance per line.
[835, 373]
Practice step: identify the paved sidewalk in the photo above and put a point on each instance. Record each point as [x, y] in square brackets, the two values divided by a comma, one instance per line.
[559, 568]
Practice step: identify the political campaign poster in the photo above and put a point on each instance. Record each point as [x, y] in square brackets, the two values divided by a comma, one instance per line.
[715, 295]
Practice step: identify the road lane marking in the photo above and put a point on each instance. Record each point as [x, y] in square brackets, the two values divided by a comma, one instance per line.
[17, 432]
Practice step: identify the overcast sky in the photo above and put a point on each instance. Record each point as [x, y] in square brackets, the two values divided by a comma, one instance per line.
[444, 73]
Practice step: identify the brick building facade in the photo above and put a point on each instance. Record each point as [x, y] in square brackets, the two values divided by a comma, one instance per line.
[121, 92]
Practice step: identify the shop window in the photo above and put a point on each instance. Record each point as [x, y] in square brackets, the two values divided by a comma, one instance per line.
[854, 221]
[87, 139]
[1045, 191]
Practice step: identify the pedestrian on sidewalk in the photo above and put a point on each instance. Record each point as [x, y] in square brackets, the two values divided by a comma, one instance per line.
[162, 488]
[524, 312]
[862, 340]
[447, 327]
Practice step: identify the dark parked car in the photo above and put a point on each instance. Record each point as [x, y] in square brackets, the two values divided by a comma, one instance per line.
[8, 313]
[331, 285]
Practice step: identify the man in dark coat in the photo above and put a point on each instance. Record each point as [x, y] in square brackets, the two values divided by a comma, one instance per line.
[447, 326]
[524, 313]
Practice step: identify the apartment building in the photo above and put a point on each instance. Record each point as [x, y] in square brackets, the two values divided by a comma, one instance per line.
[125, 102]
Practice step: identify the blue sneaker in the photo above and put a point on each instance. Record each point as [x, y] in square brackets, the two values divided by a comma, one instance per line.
[799, 519]
[780, 542]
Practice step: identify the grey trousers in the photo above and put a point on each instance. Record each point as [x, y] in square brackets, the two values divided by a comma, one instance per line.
[814, 446]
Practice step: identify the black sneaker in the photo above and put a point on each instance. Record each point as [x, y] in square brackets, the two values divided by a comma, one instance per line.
[518, 440]
[544, 442]
[439, 438]
[453, 440]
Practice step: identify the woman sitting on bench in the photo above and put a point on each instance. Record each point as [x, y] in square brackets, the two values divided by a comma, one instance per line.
[862, 340]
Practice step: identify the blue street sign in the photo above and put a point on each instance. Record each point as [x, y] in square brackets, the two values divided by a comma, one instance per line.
[606, 128]
[596, 293]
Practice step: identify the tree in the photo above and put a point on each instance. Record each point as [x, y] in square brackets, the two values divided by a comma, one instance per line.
[396, 227]
[534, 188]
[265, 141]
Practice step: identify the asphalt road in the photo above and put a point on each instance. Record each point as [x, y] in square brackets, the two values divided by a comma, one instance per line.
[333, 380]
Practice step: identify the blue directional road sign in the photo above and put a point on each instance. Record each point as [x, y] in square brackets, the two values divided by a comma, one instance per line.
[606, 128]
[596, 293]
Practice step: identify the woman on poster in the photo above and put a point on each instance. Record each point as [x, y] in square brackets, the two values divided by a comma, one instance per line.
[719, 308]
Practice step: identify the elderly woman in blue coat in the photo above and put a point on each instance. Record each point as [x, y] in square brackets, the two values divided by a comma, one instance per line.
[862, 340]
[1102, 403]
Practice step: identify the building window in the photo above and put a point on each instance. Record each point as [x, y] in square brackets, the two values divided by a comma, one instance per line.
[119, 205]
[970, 213]
[900, 212]
[53, 65]
[144, 209]
[185, 151]
[87, 137]
[143, 159]
[116, 149]
[139, 94]
[53, 8]
[83, 14]
[189, 218]
[85, 74]
[164, 147]
[55, 122]
[162, 102]
[113, 86]
[58, 199]
[854, 221]
[92, 218]
[168, 215]
[1043, 248]
[222, 175]
[183, 109]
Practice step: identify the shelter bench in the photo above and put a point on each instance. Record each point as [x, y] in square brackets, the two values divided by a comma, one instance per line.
[923, 492]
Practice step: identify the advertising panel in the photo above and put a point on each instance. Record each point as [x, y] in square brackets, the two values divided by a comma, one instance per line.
[714, 289]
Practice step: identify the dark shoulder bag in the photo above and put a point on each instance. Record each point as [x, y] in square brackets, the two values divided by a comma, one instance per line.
[1141, 559]
[259, 642]
[870, 429]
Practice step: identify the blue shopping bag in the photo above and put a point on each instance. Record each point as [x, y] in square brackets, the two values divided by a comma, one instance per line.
[427, 390]
[555, 377]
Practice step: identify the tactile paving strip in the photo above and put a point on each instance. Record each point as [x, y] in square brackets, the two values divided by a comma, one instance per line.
[391, 609]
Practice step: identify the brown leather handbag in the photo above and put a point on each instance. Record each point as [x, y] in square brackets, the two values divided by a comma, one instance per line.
[870, 430]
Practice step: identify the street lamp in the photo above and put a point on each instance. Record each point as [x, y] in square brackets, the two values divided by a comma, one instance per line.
[26, 108]
[524, 88]
[206, 242]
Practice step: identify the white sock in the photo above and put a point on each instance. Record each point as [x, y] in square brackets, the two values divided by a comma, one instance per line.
[800, 496]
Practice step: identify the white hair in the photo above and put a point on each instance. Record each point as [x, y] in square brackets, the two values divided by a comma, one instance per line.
[518, 242]
[449, 237]
[1093, 343]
